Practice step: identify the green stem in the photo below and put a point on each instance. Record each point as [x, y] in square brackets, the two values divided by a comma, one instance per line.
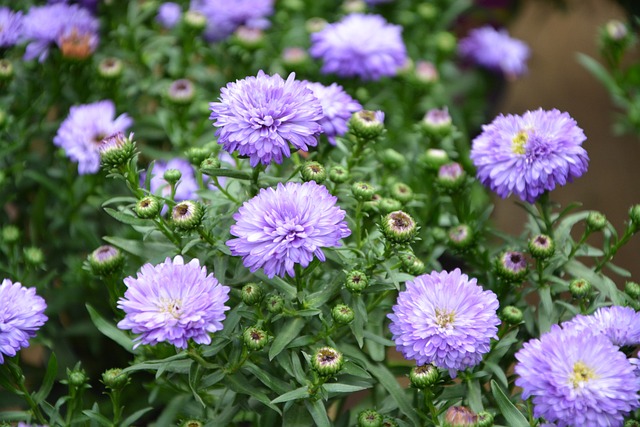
[223, 190]
[428, 400]
[358, 232]
[18, 376]
[545, 211]
[575, 248]
[255, 187]
[630, 231]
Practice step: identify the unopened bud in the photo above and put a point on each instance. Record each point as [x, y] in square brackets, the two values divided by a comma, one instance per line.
[433, 158]
[197, 155]
[338, 174]
[33, 256]
[172, 176]
[436, 123]
[392, 159]
[106, 260]
[275, 304]
[386, 205]
[596, 221]
[460, 416]
[632, 289]
[116, 150]
[367, 125]
[362, 191]
[110, 68]
[445, 42]
[313, 171]
[147, 207]
[485, 419]
[512, 315]
[76, 377]
[342, 314]
[115, 379]
[194, 20]
[411, 264]
[252, 294]
[181, 92]
[356, 282]
[187, 215]
[327, 361]
[402, 192]
[6, 70]
[580, 288]
[10, 234]
[451, 177]
[424, 376]
[460, 237]
[541, 246]
[511, 266]
[255, 338]
[369, 418]
[399, 227]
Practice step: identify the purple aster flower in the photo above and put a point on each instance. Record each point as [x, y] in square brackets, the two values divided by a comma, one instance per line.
[285, 226]
[259, 116]
[81, 133]
[173, 302]
[76, 34]
[364, 46]
[445, 319]
[337, 107]
[223, 17]
[21, 315]
[495, 50]
[530, 154]
[577, 379]
[169, 14]
[620, 324]
[10, 27]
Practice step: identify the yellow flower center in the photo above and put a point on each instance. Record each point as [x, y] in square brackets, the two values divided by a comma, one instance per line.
[445, 318]
[581, 374]
[171, 306]
[519, 142]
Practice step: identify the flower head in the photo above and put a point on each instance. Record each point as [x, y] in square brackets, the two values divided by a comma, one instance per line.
[223, 17]
[10, 27]
[169, 14]
[173, 302]
[445, 319]
[287, 225]
[529, 154]
[620, 324]
[82, 132]
[364, 46]
[260, 116]
[21, 315]
[577, 379]
[337, 107]
[495, 50]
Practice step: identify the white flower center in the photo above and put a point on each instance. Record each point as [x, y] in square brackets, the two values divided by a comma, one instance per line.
[445, 318]
[171, 306]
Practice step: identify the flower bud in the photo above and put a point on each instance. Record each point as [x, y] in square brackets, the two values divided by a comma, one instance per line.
[399, 227]
[197, 155]
[411, 264]
[424, 376]
[580, 288]
[342, 314]
[76, 378]
[459, 416]
[106, 260]
[275, 304]
[436, 123]
[372, 205]
[356, 282]
[460, 237]
[10, 234]
[485, 419]
[115, 379]
[512, 315]
[445, 42]
[33, 256]
[615, 30]
[327, 361]
[191, 423]
[402, 192]
[392, 159]
[172, 176]
[313, 171]
[315, 24]
[451, 177]
[209, 164]
[634, 215]
[252, 294]
[511, 266]
[116, 150]
[632, 289]
[362, 191]
[294, 56]
[367, 125]
[433, 158]
[181, 92]
[248, 38]
[386, 205]
[354, 6]
[541, 246]
[596, 221]
[338, 174]
[369, 418]
[428, 11]
[194, 20]
[255, 338]
[6, 70]
[110, 68]
[147, 207]
[390, 422]
[426, 73]
[187, 215]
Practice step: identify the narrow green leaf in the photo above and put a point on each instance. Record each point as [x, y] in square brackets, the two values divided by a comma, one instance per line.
[126, 218]
[299, 393]
[47, 382]
[345, 388]
[474, 396]
[318, 413]
[98, 417]
[283, 337]
[241, 385]
[110, 330]
[274, 383]
[134, 417]
[513, 416]
[284, 287]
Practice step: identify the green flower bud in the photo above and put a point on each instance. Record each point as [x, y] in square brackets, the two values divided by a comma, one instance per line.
[386, 205]
[392, 159]
[197, 155]
[634, 215]
[181, 92]
[485, 419]
[460, 237]
[116, 150]
[327, 361]
[367, 125]
[402, 192]
[356, 282]
[76, 377]
[338, 174]
[255, 338]
[580, 288]
[632, 289]
[369, 418]
[106, 260]
[172, 176]
[436, 123]
[433, 158]
[428, 11]
[275, 304]
[541, 246]
[10, 234]
[252, 294]
[209, 164]
[512, 315]
[187, 215]
[342, 314]
[147, 207]
[313, 25]
[615, 30]
[596, 221]
[248, 38]
[313, 171]
[399, 227]
[191, 423]
[194, 20]
[390, 422]
[459, 416]
[354, 6]
[373, 204]
[293, 57]
[115, 379]
[511, 266]
[424, 376]
[110, 68]
[411, 264]
[362, 191]
[445, 43]
[451, 178]
[33, 255]
[6, 70]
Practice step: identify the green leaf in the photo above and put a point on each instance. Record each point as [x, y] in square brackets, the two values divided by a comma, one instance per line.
[156, 365]
[498, 372]
[299, 393]
[513, 416]
[134, 417]
[98, 417]
[474, 396]
[287, 289]
[318, 412]
[283, 337]
[357, 326]
[274, 383]
[147, 250]
[241, 385]
[110, 330]
[345, 388]
[127, 218]
[47, 382]
[545, 314]
[599, 72]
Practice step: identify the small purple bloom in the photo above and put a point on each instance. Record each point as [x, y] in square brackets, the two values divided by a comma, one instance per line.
[364, 46]
[620, 324]
[337, 107]
[446, 319]
[495, 50]
[223, 17]
[70, 26]
[260, 116]
[81, 133]
[21, 315]
[173, 302]
[529, 154]
[10, 27]
[285, 226]
[169, 14]
[577, 379]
